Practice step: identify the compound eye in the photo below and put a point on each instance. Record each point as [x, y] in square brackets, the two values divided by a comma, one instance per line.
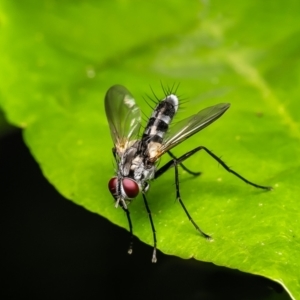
[130, 187]
[112, 186]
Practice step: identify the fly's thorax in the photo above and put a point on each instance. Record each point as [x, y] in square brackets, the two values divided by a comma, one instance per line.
[149, 173]
[142, 171]
[128, 160]
[160, 119]
[138, 167]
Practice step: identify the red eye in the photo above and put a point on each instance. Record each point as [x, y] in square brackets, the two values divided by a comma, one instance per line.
[130, 187]
[112, 186]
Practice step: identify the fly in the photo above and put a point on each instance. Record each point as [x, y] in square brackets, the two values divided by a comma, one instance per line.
[137, 158]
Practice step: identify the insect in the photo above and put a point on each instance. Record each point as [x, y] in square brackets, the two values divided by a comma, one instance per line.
[137, 156]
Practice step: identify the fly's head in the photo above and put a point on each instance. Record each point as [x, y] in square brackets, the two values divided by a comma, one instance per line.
[123, 189]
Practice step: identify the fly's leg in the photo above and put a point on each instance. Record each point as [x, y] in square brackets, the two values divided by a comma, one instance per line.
[154, 259]
[183, 166]
[114, 152]
[182, 158]
[178, 197]
[178, 161]
[130, 229]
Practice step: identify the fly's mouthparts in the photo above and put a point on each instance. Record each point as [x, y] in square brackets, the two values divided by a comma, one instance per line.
[124, 205]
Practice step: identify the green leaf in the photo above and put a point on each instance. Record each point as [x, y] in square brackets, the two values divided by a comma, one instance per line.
[57, 60]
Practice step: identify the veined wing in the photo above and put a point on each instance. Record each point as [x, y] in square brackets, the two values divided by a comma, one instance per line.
[191, 125]
[123, 116]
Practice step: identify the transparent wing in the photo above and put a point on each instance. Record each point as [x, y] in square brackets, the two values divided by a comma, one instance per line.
[191, 125]
[123, 116]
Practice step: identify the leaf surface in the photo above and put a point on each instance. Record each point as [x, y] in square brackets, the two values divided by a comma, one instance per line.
[59, 58]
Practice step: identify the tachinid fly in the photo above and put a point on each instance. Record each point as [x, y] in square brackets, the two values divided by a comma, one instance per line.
[136, 157]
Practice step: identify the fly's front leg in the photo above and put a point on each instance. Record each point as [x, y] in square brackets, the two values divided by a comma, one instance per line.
[154, 258]
[130, 229]
[114, 152]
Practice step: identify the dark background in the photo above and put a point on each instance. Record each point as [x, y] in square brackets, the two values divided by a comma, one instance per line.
[54, 249]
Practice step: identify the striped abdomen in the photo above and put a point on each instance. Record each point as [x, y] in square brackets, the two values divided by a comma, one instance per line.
[160, 119]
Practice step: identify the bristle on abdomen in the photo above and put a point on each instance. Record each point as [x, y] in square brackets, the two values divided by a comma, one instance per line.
[160, 119]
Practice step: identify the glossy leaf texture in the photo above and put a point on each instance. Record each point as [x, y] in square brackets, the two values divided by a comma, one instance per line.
[58, 59]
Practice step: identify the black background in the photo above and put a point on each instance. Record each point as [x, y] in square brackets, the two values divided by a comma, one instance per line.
[54, 249]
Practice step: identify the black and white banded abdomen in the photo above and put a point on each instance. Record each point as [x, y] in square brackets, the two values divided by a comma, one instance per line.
[160, 119]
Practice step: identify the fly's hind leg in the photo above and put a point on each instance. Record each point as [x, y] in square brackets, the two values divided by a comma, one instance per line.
[183, 166]
[178, 161]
